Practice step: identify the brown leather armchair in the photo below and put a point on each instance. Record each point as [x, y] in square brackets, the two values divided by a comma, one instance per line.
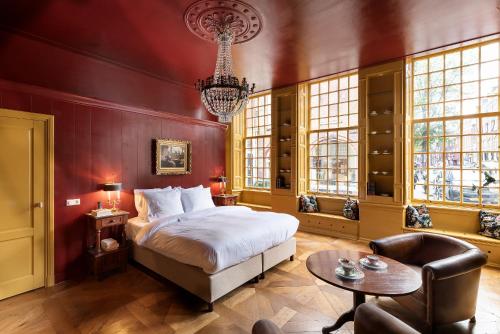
[450, 270]
[369, 319]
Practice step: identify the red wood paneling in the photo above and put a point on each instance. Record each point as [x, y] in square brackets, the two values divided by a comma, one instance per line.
[94, 144]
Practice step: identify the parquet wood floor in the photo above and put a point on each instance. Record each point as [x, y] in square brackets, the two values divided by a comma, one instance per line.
[135, 302]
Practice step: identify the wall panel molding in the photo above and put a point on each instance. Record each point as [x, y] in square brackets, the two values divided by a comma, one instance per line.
[87, 101]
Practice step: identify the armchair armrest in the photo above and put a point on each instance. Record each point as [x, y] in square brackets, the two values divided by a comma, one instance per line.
[371, 319]
[399, 247]
[455, 265]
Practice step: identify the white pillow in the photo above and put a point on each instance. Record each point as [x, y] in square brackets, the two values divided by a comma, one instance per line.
[163, 203]
[140, 204]
[197, 198]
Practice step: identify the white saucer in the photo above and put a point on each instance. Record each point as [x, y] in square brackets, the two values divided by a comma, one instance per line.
[380, 265]
[358, 274]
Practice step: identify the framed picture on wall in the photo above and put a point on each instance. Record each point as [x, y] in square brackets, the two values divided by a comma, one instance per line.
[173, 157]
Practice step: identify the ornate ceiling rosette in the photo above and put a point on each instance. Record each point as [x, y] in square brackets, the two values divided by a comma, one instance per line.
[202, 18]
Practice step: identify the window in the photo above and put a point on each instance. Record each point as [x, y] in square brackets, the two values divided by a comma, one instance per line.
[258, 142]
[333, 136]
[454, 114]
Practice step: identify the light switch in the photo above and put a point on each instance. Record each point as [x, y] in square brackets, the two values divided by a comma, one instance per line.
[73, 201]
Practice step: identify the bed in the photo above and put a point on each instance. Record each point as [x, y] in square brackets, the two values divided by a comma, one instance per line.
[212, 252]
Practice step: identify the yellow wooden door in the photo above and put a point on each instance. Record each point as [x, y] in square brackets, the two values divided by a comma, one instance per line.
[22, 205]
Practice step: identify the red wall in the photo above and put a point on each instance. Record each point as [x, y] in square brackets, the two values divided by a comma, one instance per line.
[103, 138]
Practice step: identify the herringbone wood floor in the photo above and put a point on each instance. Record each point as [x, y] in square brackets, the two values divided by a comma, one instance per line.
[134, 302]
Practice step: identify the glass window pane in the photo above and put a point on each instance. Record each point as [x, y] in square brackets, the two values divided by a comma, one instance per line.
[452, 194]
[452, 59]
[470, 56]
[436, 193]
[470, 160]
[489, 124]
[489, 104]
[470, 73]
[489, 51]
[420, 81]
[471, 126]
[452, 160]
[420, 66]
[436, 63]
[452, 127]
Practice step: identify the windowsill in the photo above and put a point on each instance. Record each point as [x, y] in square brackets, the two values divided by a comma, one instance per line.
[255, 190]
[329, 215]
[455, 208]
[460, 235]
[257, 206]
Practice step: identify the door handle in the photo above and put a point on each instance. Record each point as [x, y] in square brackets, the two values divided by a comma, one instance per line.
[39, 205]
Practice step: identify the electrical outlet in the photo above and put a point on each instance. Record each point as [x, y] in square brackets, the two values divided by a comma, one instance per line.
[71, 202]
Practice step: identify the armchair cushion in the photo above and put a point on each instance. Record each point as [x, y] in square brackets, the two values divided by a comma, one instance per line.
[265, 326]
[371, 319]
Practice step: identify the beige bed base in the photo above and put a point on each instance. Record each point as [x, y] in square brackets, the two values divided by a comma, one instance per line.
[211, 287]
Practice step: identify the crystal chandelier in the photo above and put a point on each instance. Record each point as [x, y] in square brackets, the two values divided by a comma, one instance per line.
[222, 94]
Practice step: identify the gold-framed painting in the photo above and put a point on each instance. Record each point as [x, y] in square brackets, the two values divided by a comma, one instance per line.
[173, 157]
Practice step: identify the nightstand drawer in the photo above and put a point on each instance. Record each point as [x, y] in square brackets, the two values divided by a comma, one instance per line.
[110, 221]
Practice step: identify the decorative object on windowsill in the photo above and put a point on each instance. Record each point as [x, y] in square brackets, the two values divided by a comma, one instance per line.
[173, 157]
[373, 113]
[308, 203]
[418, 217]
[489, 224]
[375, 172]
[287, 123]
[228, 22]
[351, 209]
[222, 184]
[110, 188]
[375, 152]
[386, 152]
[387, 111]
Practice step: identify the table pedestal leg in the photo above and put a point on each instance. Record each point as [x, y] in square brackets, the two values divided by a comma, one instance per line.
[358, 299]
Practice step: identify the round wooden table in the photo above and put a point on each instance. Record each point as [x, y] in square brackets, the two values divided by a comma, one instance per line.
[397, 280]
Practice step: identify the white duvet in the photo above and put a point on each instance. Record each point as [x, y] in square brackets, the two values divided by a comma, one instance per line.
[217, 238]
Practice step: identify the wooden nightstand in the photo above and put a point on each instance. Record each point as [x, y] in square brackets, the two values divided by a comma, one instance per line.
[99, 260]
[225, 199]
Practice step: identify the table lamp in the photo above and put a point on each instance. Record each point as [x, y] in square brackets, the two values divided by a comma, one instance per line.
[113, 187]
[222, 184]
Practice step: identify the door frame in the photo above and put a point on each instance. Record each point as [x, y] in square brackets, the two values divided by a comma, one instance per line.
[49, 192]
